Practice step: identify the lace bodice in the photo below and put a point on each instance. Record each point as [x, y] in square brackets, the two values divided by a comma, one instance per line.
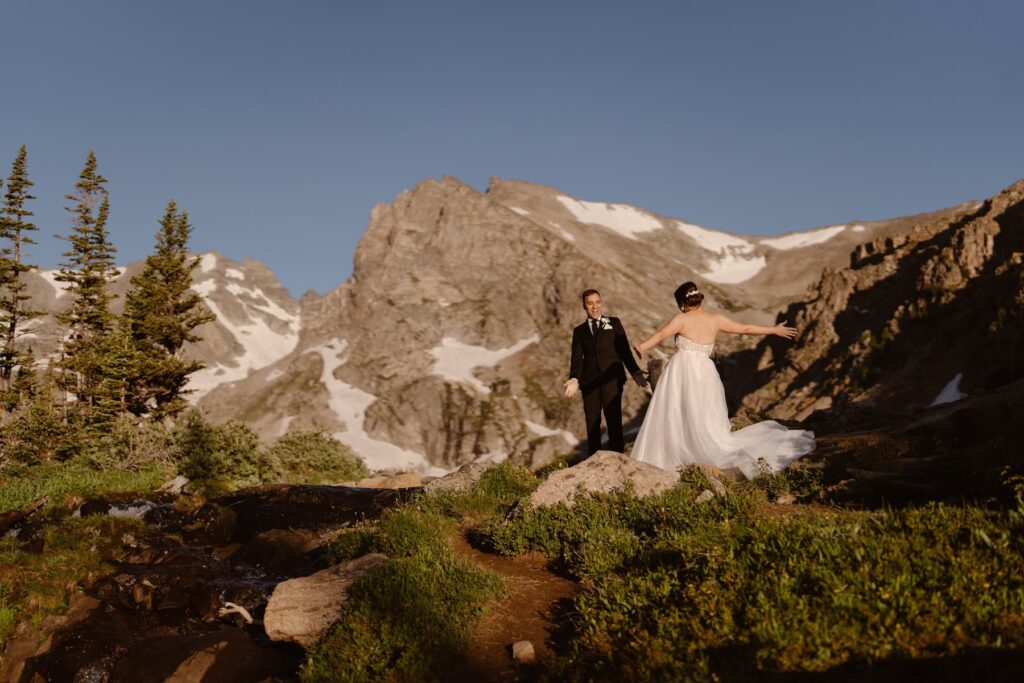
[687, 344]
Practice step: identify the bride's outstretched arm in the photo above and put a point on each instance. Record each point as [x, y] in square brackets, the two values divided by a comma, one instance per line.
[782, 329]
[667, 330]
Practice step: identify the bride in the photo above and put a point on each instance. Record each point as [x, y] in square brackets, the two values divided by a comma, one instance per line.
[687, 422]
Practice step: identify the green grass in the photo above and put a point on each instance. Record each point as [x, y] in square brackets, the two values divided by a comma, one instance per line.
[685, 591]
[38, 584]
[412, 617]
[57, 481]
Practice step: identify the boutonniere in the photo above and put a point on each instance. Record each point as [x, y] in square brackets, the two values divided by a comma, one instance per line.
[606, 324]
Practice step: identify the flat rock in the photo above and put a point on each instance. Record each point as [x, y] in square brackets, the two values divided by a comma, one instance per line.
[403, 480]
[302, 610]
[603, 472]
[459, 480]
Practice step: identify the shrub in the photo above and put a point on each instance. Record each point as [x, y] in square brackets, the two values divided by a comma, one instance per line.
[38, 434]
[500, 487]
[128, 444]
[313, 458]
[218, 454]
[681, 591]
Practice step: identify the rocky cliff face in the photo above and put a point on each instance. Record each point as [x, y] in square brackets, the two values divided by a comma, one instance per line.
[917, 318]
[449, 343]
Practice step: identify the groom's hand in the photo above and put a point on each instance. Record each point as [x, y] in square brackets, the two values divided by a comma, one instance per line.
[571, 387]
[639, 378]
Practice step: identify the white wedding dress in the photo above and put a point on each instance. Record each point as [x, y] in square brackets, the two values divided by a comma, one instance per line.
[687, 422]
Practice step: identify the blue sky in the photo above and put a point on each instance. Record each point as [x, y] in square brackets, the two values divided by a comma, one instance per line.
[278, 125]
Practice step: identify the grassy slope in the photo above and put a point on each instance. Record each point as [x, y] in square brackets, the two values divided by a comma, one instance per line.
[676, 590]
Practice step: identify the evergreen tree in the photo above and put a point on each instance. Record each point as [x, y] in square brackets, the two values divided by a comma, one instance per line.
[15, 232]
[88, 272]
[117, 362]
[162, 313]
[24, 384]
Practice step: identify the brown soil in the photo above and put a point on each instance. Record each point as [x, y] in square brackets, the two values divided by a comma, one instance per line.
[532, 610]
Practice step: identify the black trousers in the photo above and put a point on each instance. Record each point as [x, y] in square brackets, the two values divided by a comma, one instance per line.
[604, 396]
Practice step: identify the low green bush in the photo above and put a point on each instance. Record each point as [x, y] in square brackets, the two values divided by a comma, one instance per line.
[500, 488]
[679, 590]
[219, 454]
[312, 458]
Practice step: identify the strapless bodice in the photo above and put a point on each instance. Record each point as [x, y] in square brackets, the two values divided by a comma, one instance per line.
[687, 344]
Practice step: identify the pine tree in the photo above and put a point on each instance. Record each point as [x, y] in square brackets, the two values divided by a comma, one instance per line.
[15, 232]
[24, 384]
[88, 273]
[162, 313]
[118, 362]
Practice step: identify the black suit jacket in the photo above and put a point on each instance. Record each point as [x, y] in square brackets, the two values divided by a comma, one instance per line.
[599, 358]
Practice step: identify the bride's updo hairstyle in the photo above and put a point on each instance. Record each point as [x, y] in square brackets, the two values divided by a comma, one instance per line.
[688, 296]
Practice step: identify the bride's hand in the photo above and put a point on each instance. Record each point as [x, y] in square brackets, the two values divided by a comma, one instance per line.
[784, 330]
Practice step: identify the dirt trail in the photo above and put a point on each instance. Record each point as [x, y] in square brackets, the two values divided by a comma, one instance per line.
[532, 610]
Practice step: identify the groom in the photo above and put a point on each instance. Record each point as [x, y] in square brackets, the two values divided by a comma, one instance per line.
[599, 350]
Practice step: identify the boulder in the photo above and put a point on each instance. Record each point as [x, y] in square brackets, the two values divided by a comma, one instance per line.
[459, 480]
[175, 486]
[403, 480]
[302, 610]
[523, 652]
[603, 472]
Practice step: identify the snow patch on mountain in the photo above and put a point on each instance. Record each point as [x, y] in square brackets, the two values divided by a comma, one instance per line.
[542, 430]
[456, 361]
[350, 405]
[804, 239]
[565, 233]
[263, 344]
[204, 288]
[732, 258]
[234, 274]
[207, 262]
[283, 427]
[59, 288]
[732, 268]
[520, 211]
[714, 240]
[621, 218]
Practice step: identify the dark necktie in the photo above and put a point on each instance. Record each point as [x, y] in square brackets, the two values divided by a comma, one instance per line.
[593, 326]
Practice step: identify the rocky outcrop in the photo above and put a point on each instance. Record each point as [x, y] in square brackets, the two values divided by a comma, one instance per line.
[603, 472]
[461, 479]
[301, 610]
[449, 342]
[929, 316]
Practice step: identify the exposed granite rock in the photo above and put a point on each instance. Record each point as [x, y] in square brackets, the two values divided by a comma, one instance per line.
[301, 610]
[603, 472]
